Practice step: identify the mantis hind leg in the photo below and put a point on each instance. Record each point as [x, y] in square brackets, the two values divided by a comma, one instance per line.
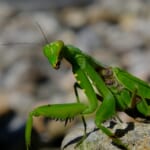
[116, 141]
[144, 108]
[63, 112]
[103, 114]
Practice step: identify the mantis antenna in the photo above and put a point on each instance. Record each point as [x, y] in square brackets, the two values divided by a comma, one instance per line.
[28, 43]
[43, 33]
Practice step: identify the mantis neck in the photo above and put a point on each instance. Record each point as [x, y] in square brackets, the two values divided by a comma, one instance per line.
[72, 53]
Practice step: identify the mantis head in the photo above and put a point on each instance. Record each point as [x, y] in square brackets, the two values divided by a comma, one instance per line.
[53, 52]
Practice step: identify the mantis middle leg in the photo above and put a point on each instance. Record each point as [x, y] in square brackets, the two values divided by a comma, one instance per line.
[143, 107]
[102, 114]
[76, 85]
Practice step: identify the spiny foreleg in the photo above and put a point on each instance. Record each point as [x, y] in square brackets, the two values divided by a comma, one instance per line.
[63, 112]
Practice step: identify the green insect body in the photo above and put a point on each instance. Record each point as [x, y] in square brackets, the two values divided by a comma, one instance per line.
[118, 89]
[138, 87]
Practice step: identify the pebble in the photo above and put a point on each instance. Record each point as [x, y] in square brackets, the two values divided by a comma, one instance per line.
[6, 12]
[4, 102]
[47, 22]
[74, 18]
[88, 39]
[137, 63]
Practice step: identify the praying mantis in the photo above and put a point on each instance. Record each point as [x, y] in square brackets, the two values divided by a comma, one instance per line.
[117, 89]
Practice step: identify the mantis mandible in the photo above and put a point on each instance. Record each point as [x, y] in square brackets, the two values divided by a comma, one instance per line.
[119, 90]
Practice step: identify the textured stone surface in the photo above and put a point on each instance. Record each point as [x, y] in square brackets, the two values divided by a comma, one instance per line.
[137, 138]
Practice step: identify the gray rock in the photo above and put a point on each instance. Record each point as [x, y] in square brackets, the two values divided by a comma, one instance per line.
[137, 138]
[88, 39]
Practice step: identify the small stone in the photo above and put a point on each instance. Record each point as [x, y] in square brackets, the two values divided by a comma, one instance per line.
[4, 102]
[74, 17]
[48, 23]
[68, 36]
[6, 11]
[122, 41]
[137, 63]
[88, 39]
[58, 128]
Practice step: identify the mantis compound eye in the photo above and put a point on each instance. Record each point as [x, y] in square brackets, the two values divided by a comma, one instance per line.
[57, 65]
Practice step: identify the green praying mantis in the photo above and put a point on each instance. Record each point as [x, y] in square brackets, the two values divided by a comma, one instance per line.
[117, 89]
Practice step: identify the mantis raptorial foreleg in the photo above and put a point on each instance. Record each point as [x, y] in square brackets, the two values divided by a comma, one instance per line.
[85, 84]
[61, 112]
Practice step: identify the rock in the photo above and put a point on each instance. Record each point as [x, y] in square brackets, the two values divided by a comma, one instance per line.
[122, 41]
[137, 137]
[6, 12]
[48, 22]
[75, 18]
[68, 36]
[137, 63]
[4, 102]
[88, 39]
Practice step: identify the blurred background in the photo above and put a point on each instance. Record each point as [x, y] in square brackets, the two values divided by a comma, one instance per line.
[115, 32]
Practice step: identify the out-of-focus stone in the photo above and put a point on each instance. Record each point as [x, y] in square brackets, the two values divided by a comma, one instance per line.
[137, 63]
[68, 36]
[75, 18]
[48, 23]
[88, 39]
[56, 129]
[6, 12]
[4, 102]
